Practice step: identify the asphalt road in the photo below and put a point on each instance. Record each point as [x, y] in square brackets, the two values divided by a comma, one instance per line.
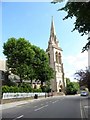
[52, 107]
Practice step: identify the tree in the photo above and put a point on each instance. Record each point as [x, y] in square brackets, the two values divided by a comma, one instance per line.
[76, 86]
[81, 11]
[83, 76]
[67, 80]
[19, 54]
[41, 64]
[30, 73]
[27, 61]
[72, 88]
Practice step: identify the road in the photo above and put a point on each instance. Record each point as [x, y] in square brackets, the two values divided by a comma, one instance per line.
[52, 107]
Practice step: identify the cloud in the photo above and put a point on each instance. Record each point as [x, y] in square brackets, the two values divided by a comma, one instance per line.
[72, 63]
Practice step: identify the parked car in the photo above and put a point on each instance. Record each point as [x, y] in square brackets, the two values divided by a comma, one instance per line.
[84, 93]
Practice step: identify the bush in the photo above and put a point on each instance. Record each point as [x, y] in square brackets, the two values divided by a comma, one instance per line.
[72, 88]
[11, 89]
[22, 88]
[15, 89]
[45, 89]
[37, 90]
[26, 87]
[5, 89]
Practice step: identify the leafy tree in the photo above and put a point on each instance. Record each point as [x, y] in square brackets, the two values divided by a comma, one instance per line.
[41, 64]
[83, 76]
[76, 86]
[19, 54]
[30, 73]
[81, 11]
[72, 88]
[27, 61]
[67, 80]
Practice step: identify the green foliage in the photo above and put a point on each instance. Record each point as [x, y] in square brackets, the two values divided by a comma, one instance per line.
[86, 47]
[41, 64]
[25, 87]
[22, 88]
[83, 77]
[81, 11]
[10, 89]
[27, 61]
[67, 80]
[5, 89]
[37, 90]
[19, 54]
[72, 88]
[45, 88]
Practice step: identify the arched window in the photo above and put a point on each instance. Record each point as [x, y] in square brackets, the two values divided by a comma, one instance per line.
[59, 58]
[56, 54]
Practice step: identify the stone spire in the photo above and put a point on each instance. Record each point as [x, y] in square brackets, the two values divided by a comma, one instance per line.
[52, 32]
[53, 38]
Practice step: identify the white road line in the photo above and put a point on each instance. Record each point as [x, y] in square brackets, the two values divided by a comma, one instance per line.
[81, 110]
[55, 101]
[40, 108]
[86, 106]
[18, 117]
[86, 115]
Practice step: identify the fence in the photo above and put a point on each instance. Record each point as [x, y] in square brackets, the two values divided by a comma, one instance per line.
[20, 95]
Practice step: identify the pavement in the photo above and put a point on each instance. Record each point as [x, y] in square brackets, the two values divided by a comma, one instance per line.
[13, 104]
[49, 107]
[85, 105]
[16, 103]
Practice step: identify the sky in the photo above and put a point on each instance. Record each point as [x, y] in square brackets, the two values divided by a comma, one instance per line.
[32, 20]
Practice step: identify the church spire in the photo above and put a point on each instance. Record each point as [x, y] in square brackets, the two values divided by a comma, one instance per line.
[53, 39]
[52, 32]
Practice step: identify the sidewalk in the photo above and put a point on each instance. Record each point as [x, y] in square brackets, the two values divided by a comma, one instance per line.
[13, 104]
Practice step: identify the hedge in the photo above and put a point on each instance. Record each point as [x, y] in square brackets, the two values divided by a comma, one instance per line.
[15, 89]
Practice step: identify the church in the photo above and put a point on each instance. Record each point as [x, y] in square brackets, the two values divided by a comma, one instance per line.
[55, 60]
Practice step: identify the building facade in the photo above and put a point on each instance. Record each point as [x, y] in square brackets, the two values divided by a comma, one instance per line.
[2, 69]
[55, 60]
[3, 65]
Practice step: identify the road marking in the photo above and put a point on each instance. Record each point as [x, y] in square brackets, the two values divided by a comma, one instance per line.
[55, 101]
[81, 110]
[18, 117]
[86, 106]
[40, 108]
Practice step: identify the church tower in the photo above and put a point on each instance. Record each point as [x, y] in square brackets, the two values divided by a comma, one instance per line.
[55, 60]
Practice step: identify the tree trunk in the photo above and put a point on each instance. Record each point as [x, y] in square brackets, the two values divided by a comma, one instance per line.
[20, 80]
[41, 83]
[31, 83]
